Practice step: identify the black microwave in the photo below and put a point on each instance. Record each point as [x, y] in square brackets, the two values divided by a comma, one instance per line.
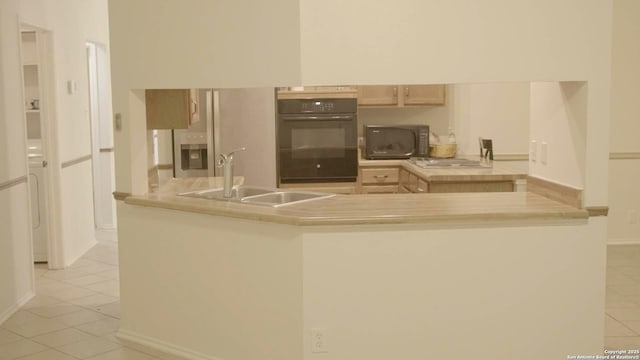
[396, 142]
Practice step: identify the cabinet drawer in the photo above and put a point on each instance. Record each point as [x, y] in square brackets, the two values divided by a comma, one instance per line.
[380, 176]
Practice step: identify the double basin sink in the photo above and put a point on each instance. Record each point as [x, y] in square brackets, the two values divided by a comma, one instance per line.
[259, 196]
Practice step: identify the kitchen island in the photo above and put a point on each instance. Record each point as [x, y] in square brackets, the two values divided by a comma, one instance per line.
[398, 276]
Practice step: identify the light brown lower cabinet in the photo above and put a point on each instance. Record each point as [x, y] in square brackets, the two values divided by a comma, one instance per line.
[379, 189]
[333, 188]
[382, 180]
[409, 182]
[469, 186]
[412, 183]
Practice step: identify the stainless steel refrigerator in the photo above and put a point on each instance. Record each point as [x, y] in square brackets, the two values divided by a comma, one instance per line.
[194, 149]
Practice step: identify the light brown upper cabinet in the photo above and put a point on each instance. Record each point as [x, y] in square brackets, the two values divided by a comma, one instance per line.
[423, 94]
[172, 108]
[401, 95]
[378, 95]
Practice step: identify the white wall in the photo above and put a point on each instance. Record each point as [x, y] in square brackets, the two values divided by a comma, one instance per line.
[402, 292]
[455, 41]
[247, 119]
[247, 306]
[16, 272]
[72, 23]
[400, 42]
[625, 77]
[77, 222]
[204, 44]
[497, 111]
[558, 118]
[624, 211]
[221, 44]
[624, 174]
[382, 292]
[466, 41]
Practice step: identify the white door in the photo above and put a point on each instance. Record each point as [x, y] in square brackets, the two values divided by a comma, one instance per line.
[102, 137]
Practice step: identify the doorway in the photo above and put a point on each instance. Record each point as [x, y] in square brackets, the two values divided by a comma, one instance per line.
[33, 58]
[101, 137]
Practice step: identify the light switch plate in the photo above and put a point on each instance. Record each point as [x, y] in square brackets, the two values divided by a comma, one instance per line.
[319, 340]
[533, 151]
[544, 147]
[72, 86]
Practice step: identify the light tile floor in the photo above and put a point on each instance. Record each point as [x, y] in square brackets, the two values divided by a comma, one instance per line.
[76, 311]
[622, 322]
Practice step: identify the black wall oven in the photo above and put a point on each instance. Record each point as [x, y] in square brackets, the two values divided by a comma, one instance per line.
[317, 140]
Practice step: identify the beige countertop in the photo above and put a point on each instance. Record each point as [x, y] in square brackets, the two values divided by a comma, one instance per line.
[181, 185]
[497, 170]
[452, 208]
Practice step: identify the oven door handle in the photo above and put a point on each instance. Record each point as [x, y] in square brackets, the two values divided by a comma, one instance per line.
[306, 118]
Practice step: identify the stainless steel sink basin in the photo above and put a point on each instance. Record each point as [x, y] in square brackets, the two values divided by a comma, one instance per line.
[237, 193]
[281, 198]
[258, 196]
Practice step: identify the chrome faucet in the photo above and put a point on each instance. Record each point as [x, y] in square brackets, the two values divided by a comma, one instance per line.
[226, 162]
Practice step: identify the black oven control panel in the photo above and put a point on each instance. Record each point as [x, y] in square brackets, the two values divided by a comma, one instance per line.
[317, 106]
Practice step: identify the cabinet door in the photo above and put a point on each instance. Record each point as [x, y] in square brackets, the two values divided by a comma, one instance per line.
[377, 95]
[404, 177]
[422, 186]
[168, 108]
[423, 94]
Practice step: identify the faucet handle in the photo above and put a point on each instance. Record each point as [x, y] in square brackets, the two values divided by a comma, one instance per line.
[226, 158]
[236, 150]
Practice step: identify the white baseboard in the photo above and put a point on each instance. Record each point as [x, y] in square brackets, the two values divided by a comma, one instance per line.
[162, 346]
[623, 241]
[12, 310]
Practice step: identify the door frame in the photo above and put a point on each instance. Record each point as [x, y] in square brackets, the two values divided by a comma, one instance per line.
[49, 131]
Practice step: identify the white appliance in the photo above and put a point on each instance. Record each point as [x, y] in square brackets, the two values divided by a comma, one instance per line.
[38, 187]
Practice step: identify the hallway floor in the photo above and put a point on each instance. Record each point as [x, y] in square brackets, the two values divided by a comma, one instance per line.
[622, 323]
[77, 310]
[75, 313]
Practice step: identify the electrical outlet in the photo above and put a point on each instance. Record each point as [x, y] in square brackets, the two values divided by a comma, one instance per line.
[533, 152]
[319, 343]
[543, 152]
